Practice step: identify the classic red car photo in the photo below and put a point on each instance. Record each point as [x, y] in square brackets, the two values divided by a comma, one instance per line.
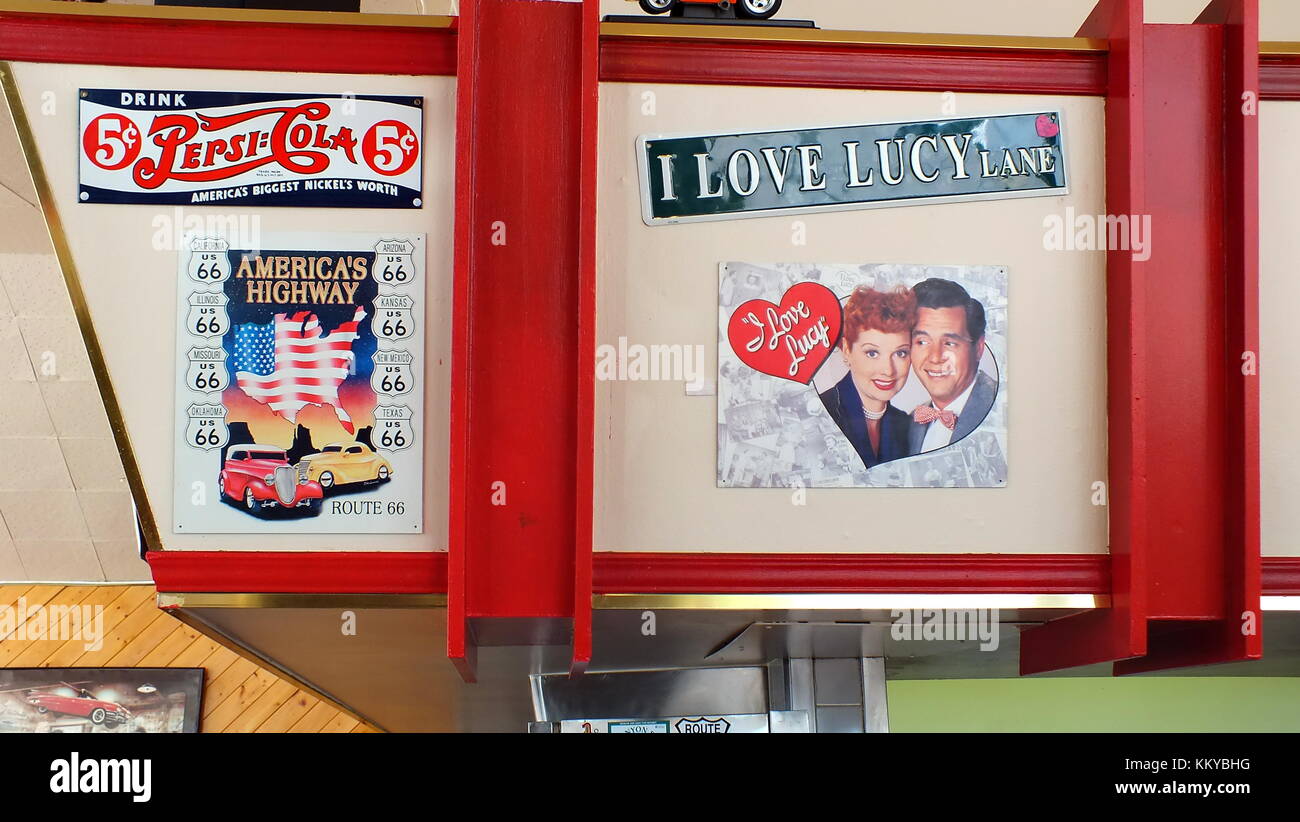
[748, 9]
[98, 711]
[260, 479]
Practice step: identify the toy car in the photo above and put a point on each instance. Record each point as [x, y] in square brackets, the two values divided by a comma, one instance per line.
[752, 9]
[260, 477]
[98, 711]
[343, 463]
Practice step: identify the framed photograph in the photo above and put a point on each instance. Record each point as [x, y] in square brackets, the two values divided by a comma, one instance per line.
[101, 700]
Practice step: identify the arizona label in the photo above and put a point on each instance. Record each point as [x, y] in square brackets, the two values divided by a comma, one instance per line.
[266, 149]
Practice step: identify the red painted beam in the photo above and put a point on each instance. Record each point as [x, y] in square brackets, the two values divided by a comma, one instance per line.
[1184, 430]
[460, 646]
[226, 44]
[524, 207]
[626, 59]
[1119, 631]
[1217, 582]
[585, 401]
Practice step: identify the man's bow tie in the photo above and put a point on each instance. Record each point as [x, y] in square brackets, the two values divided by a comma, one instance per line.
[926, 414]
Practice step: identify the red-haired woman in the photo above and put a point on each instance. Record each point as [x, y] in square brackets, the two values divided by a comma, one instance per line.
[876, 347]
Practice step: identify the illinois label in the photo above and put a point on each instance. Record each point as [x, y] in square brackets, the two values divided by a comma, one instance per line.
[298, 409]
[216, 147]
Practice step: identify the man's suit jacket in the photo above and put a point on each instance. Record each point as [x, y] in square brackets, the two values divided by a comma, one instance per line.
[978, 405]
[844, 404]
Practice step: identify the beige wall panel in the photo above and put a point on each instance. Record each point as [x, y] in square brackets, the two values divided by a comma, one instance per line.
[131, 287]
[656, 447]
[1279, 297]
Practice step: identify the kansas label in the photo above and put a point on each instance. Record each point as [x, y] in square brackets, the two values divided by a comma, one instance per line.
[207, 148]
[756, 174]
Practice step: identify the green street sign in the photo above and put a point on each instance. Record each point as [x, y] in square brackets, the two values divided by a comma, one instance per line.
[759, 174]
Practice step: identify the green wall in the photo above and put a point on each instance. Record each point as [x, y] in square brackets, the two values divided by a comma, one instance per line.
[1096, 704]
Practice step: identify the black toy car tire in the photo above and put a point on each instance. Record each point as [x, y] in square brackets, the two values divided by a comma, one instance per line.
[744, 8]
[657, 6]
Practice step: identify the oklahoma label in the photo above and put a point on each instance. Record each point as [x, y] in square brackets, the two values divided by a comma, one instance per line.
[299, 393]
[265, 149]
[729, 176]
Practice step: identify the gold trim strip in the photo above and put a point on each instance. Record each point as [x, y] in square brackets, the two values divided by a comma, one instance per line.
[862, 38]
[208, 600]
[1279, 603]
[1280, 47]
[841, 602]
[227, 641]
[58, 238]
[333, 18]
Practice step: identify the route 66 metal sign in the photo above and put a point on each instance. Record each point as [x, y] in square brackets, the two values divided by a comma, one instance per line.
[292, 355]
[393, 262]
[207, 370]
[207, 426]
[393, 430]
[392, 375]
[207, 316]
[208, 262]
[393, 317]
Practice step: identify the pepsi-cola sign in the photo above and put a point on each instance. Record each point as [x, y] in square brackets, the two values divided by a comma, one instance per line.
[264, 149]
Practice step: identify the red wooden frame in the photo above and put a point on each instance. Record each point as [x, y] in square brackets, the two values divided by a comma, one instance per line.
[585, 401]
[1183, 421]
[486, 574]
[390, 572]
[525, 269]
[342, 48]
[299, 572]
[851, 65]
[1279, 77]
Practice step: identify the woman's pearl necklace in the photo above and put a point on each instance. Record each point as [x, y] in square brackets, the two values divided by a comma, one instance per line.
[874, 415]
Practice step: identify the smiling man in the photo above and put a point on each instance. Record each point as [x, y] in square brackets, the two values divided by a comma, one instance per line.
[947, 345]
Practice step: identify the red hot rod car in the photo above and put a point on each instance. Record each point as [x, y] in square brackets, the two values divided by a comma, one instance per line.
[260, 477]
[98, 711]
[751, 9]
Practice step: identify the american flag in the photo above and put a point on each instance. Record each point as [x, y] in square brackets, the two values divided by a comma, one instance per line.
[288, 364]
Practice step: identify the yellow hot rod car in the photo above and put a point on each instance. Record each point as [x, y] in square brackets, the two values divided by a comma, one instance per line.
[344, 463]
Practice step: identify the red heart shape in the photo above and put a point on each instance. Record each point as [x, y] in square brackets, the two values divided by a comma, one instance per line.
[1047, 126]
[792, 340]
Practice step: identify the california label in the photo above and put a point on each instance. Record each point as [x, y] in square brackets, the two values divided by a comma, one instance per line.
[207, 427]
[392, 375]
[393, 317]
[207, 317]
[393, 426]
[207, 370]
[299, 387]
[393, 264]
[208, 261]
